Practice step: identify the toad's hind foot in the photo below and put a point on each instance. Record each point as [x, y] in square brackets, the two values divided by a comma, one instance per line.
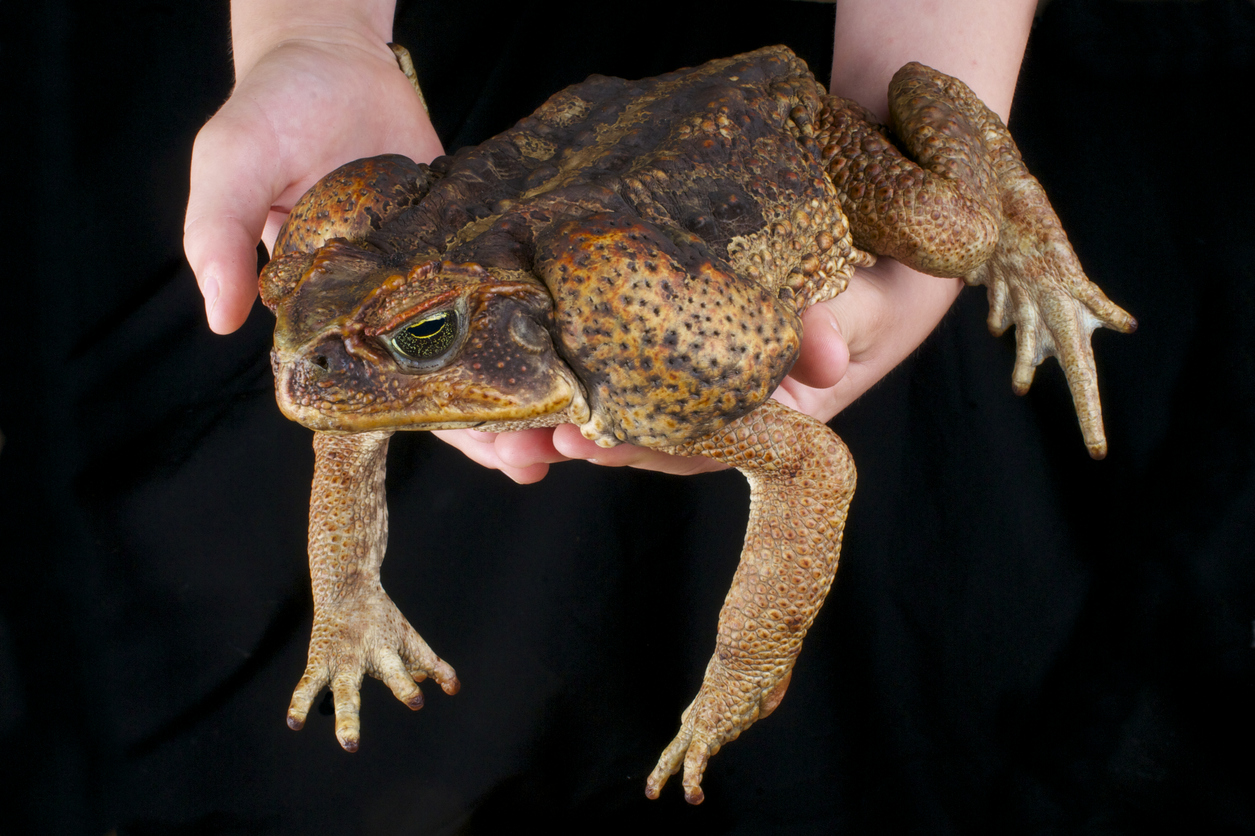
[1033, 277]
[716, 716]
[801, 480]
[1035, 282]
[956, 200]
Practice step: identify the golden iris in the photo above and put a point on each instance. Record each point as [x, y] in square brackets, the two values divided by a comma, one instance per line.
[429, 337]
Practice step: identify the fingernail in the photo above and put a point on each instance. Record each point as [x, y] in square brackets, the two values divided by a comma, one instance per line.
[210, 291]
[832, 319]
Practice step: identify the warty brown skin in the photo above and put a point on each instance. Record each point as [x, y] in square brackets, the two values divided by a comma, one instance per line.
[634, 258]
[357, 628]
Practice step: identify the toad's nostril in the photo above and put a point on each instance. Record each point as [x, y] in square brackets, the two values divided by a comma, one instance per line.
[320, 361]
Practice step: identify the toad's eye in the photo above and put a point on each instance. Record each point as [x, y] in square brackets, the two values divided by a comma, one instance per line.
[428, 338]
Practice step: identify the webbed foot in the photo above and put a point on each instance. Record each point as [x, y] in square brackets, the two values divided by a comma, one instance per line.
[963, 204]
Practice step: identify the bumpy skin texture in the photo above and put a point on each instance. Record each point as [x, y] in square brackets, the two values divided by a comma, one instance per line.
[972, 211]
[801, 481]
[354, 201]
[633, 258]
[357, 628]
[667, 347]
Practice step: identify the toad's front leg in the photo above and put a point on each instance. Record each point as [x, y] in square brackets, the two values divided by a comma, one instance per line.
[801, 480]
[357, 628]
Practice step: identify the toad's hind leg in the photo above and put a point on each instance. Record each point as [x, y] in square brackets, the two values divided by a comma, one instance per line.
[801, 480]
[970, 209]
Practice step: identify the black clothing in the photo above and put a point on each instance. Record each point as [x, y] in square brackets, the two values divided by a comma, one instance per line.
[1019, 639]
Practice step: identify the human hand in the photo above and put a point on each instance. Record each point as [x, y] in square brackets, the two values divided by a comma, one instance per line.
[309, 97]
[848, 344]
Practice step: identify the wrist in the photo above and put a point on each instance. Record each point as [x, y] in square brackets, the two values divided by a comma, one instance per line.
[260, 26]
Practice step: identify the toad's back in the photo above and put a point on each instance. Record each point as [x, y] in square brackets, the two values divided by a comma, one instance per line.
[720, 153]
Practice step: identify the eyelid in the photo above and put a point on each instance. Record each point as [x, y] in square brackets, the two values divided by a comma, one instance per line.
[443, 316]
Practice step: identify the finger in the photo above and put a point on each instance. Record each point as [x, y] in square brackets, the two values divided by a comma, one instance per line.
[275, 220]
[346, 690]
[526, 448]
[820, 404]
[824, 356]
[399, 681]
[223, 255]
[568, 441]
[889, 309]
[857, 316]
[483, 452]
[884, 314]
[312, 682]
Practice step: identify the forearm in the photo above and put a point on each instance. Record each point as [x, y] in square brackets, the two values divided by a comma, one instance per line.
[980, 42]
[257, 26]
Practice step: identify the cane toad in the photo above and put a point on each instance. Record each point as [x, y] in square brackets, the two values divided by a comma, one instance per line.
[633, 258]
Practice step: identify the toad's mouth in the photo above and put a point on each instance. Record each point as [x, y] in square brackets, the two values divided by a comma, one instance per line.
[349, 398]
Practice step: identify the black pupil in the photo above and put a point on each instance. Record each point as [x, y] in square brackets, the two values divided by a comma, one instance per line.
[428, 338]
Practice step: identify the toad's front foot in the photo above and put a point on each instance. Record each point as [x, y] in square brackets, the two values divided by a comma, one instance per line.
[361, 633]
[725, 706]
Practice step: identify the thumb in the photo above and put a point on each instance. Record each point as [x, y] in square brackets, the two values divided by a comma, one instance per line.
[825, 355]
[233, 181]
[884, 314]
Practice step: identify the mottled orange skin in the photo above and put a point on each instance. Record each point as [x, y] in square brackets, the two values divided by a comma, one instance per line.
[666, 350]
[634, 258]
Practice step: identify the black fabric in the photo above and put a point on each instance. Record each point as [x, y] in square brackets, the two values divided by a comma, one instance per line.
[1020, 639]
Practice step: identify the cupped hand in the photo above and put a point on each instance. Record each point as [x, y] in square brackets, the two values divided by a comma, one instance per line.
[304, 103]
[848, 344]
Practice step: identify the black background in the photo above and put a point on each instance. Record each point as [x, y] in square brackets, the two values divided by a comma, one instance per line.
[1020, 639]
